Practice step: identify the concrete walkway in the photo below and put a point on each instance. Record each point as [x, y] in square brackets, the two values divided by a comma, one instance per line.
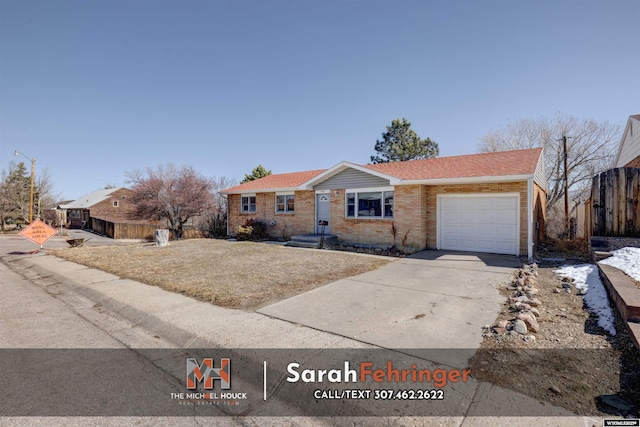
[133, 313]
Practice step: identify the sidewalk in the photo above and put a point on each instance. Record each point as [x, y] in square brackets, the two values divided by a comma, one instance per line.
[131, 312]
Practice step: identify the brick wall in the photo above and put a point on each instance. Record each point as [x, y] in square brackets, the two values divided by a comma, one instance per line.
[635, 163]
[287, 224]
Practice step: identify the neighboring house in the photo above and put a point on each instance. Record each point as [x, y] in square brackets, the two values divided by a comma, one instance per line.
[489, 202]
[629, 150]
[60, 214]
[109, 204]
[110, 212]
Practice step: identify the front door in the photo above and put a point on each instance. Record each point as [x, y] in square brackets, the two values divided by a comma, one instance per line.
[323, 206]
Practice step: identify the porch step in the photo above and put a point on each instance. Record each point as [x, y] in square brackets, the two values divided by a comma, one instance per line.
[311, 240]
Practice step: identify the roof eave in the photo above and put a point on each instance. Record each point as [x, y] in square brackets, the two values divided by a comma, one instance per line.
[263, 190]
[466, 180]
[623, 139]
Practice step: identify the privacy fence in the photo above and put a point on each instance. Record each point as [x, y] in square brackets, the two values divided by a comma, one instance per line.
[615, 208]
[121, 230]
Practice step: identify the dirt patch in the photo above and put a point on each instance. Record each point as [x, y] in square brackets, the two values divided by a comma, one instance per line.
[230, 274]
[571, 362]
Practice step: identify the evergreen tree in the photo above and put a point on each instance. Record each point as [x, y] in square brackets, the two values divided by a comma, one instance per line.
[257, 173]
[400, 143]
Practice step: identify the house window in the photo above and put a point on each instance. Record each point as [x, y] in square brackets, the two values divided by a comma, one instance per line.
[284, 203]
[123, 197]
[248, 204]
[369, 204]
[115, 203]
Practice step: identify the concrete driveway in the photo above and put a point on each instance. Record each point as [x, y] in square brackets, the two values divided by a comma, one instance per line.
[431, 300]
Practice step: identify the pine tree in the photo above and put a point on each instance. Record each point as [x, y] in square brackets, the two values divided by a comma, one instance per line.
[400, 143]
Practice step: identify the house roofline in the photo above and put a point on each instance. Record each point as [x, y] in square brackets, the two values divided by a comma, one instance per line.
[263, 190]
[336, 169]
[624, 137]
[397, 182]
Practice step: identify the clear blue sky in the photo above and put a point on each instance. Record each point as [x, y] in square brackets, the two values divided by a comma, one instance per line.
[93, 89]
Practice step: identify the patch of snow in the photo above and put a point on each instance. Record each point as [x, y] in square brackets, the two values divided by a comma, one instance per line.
[587, 278]
[627, 260]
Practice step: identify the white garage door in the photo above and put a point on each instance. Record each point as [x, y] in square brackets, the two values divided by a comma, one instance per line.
[479, 224]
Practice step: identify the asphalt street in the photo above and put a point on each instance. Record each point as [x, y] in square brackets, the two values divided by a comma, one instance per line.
[59, 320]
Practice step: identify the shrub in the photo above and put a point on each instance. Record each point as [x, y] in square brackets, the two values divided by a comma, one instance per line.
[252, 230]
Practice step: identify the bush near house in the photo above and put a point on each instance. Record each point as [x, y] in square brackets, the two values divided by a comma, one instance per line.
[252, 230]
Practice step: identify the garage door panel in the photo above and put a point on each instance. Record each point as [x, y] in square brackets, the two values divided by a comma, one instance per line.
[486, 245]
[450, 203]
[479, 223]
[467, 244]
[450, 230]
[487, 203]
[508, 203]
[504, 217]
[466, 230]
[505, 231]
[505, 246]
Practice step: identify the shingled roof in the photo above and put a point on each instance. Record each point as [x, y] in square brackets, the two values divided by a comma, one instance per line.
[505, 164]
[276, 181]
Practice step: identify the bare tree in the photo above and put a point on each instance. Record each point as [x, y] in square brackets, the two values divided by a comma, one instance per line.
[215, 222]
[591, 148]
[175, 194]
[45, 197]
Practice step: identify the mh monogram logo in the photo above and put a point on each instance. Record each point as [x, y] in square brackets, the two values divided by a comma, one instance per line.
[206, 372]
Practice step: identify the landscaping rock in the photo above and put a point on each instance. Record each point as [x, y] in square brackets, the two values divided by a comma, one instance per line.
[502, 324]
[530, 320]
[520, 327]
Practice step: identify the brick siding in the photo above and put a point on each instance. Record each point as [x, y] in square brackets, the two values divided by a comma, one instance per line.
[415, 214]
[635, 163]
[301, 221]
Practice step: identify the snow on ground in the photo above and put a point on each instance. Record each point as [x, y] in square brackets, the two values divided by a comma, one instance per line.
[627, 260]
[587, 278]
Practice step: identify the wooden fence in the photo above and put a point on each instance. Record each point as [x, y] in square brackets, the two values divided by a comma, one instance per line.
[615, 206]
[117, 230]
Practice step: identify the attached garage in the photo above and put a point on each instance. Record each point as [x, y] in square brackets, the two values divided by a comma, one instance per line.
[479, 223]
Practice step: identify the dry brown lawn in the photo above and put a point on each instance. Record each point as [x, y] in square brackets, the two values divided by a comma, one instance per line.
[231, 274]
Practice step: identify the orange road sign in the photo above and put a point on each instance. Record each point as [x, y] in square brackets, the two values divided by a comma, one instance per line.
[38, 232]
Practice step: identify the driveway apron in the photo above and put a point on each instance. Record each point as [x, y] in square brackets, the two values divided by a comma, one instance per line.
[431, 300]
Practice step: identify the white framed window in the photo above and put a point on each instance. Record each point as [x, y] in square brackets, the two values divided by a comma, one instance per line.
[369, 203]
[248, 204]
[115, 203]
[285, 203]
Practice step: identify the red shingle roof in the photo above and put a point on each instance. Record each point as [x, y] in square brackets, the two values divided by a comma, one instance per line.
[498, 164]
[276, 181]
[503, 163]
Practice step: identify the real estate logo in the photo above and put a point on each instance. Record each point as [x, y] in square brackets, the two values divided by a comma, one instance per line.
[205, 373]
